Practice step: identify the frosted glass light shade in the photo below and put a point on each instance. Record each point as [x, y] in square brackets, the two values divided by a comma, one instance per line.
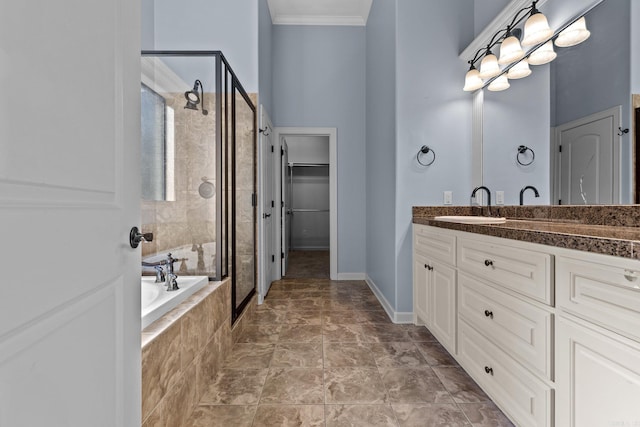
[510, 51]
[574, 34]
[536, 30]
[501, 83]
[544, 55]
[472, 81]
[489, 66]
[519, 71]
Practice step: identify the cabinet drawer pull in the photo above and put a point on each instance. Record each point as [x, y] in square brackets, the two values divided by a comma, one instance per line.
[488, 313]
[488, 262]
[488, 370]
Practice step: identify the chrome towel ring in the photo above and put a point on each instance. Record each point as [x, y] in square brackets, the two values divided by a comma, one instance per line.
[424, 150]
[522, 151]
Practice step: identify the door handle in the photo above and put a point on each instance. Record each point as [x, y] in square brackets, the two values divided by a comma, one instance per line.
[135, 237]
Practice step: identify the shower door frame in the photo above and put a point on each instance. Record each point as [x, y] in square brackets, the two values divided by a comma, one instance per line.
[223, 216]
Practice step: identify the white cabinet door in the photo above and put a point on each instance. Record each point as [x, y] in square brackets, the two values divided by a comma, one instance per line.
[443, 305]
[69, 194]
[597, 377]
[421, 289]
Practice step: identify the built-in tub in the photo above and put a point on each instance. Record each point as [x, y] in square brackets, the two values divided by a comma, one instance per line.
[156, 300]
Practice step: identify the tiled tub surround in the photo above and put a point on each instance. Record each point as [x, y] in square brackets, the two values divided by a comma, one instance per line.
[183, 351]
[609, 230]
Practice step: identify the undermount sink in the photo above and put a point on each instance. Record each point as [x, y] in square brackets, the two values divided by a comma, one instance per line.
[472, 219]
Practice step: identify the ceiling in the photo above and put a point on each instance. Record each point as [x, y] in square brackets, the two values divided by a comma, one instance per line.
[319, 12]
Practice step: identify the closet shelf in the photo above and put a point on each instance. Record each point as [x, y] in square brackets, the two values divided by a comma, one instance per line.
[308, 165]
[309, 210]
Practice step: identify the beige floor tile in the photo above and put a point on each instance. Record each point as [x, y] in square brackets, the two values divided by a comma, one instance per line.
[343, 333]
[462, 388]
[303, 317]
[235, 387]
[360, 416]
[485, 415]
[340, 355]
[250, 356]
[380, 332]
[289, 416]
[430, 415]
[293, 386]
[417, 385]
[267, 333]
[300, 333]
[435, 354]
[298, 355]
[397, 354]
[354, 385]
[222, 415]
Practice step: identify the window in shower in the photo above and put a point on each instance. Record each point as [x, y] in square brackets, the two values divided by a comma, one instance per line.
[198, 155]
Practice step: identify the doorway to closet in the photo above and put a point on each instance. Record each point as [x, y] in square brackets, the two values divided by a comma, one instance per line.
[308, 219]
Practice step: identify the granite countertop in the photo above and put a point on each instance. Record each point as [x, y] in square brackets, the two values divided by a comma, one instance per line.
[549, 228]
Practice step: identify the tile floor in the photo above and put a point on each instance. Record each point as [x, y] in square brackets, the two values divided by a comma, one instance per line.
[308, 264]
[323, 353]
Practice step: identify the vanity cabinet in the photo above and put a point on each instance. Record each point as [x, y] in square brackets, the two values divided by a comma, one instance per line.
[597, 341]
[434, 284]
[552, 335]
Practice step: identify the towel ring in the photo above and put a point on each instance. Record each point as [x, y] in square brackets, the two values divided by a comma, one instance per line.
[426, 150]
[522, 150]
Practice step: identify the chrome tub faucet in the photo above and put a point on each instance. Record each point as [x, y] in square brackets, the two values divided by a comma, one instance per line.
[164, 272]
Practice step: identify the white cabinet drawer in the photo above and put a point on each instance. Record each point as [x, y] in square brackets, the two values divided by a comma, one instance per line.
[608, 295]
[524, 397]
[523, 329]
[434, 243]
[521, 270]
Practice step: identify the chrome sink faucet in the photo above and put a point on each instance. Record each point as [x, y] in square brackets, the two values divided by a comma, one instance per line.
[528, 187]
[164, 272]
[482, 187]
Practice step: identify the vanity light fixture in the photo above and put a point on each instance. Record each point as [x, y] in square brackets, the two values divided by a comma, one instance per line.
[510, 49]
[489, 66]
[472, 80]
[536, 29]
[520, 70]
[499, 84]
[574, 34]
[543, 55]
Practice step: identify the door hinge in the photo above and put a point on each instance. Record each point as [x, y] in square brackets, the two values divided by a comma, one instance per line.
[254, 199]
[560, 148]
[272, 148]
[273, 204]
[281, 255]
[273, 258]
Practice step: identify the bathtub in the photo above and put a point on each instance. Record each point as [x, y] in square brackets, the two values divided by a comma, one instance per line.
[156, 300]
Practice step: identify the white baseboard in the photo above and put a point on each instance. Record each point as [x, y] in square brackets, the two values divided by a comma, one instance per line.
[396, 317]
[352, 276]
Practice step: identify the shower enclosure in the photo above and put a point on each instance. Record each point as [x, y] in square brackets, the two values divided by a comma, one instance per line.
[198, 167]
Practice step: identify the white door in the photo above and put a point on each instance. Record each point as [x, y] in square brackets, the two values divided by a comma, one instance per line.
[69, 194]
[589, 159]
[285, 187]
[268, 203]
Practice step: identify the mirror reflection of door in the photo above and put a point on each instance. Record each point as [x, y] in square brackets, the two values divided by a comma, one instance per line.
[588, 153]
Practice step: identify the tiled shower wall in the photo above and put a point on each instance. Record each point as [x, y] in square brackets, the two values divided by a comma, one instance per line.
[190, 219]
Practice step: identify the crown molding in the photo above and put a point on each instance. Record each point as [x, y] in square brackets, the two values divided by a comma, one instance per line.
[320, 12]
[357, 21]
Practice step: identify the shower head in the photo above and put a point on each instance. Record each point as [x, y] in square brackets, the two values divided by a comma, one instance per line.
[193, 98]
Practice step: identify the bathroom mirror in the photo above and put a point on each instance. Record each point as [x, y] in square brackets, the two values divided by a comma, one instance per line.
[590, 78]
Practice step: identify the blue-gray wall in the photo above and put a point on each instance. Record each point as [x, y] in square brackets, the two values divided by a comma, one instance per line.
[432, 110]
[265, 52]
[230, 26]
[381, 146]
[319, 81]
